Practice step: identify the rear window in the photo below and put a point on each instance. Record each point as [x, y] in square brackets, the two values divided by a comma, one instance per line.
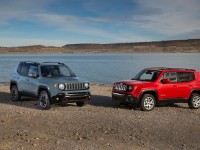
[185, 76]
[23, 69]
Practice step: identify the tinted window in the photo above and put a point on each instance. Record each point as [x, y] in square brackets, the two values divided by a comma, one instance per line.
[19, 68]
[33, 69]
[185, 76]
[23, 69]
[171, 75]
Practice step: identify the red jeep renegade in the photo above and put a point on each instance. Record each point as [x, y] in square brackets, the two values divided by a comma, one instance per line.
[153, 86]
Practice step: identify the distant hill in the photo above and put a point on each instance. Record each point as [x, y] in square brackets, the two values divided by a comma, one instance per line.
[173, 46]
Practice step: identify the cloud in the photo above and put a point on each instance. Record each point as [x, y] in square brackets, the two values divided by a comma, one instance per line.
[188, 35]
[87, 26]
[20, 9]
[80, 25]
[168, 17]
[109, 21]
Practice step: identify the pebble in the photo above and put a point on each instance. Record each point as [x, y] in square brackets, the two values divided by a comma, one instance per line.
[2, 120]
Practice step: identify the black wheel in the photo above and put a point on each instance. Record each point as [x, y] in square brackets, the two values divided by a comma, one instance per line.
[80, 103]
[194, 102]
[44, 101]
[148, 102]
[15, 96]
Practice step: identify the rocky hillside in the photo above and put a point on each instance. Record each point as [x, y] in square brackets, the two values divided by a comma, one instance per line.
[174, 46]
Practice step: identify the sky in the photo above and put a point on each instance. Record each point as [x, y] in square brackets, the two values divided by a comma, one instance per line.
[60, 22]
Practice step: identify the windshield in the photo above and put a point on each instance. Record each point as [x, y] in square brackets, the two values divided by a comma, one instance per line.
[147, 75]
[55, 71]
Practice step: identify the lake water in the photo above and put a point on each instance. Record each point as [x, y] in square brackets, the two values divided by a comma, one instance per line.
[103, 68]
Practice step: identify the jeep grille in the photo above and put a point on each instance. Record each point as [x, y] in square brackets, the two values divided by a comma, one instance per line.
[75, 86]
[120, 87]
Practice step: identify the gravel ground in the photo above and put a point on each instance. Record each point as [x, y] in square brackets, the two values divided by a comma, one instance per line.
[102, 124]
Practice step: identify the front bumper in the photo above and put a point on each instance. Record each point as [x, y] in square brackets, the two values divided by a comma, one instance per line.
[73, 97]
[125, 98]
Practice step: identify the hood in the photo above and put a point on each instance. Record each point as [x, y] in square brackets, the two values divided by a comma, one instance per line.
[68, 80]
[132, 82]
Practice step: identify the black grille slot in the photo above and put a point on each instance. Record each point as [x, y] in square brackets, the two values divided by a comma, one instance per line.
[74, 86]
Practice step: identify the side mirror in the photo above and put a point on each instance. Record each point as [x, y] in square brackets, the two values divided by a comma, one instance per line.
[165, 81]
[33, 75]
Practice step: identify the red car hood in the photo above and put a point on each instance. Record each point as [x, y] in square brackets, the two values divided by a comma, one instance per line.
[132, 82]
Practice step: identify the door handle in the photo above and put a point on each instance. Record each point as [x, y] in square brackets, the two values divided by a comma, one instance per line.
[27, 80]
[174, 86]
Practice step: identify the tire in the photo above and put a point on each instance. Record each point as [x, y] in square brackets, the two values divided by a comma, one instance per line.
[44, 101]
[194, 102]
[148, 102]
[15, 96]
[80, 103]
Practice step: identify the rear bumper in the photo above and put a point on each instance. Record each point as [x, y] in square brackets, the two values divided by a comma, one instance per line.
[124, 98]
[70, 98]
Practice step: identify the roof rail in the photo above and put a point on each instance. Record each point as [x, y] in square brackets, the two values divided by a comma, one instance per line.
[165, 68]
[31, 62]
[55, 63]
[181, 69]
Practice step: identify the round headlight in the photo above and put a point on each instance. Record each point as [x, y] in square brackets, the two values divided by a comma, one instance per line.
[86, 85]
[61, 86]
[130, 88]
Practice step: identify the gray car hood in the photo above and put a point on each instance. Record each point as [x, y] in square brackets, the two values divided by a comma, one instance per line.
[68, 80]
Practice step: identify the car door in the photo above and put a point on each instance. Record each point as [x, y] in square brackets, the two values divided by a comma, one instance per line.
[185, 83]
[168, 90]
[32, 82]
[22, 78]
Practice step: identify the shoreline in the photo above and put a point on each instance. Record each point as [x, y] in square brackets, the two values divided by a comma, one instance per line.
[4, 84]
[30, 52]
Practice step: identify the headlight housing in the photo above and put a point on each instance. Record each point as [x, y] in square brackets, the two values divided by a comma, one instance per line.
[129, 87]
[87, 85]
[61, 86]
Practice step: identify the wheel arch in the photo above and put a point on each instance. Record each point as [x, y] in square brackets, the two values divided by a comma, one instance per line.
[195, 91]
[152, 92]
[12, 83]
[44, 88]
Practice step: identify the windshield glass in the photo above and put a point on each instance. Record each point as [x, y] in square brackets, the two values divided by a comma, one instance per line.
[147, 75]
[55, 70]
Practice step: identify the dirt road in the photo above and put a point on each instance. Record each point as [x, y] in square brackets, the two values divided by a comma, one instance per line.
[102, 124]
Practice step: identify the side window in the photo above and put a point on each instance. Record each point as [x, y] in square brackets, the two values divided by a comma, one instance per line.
[19, 68]
[24, 69]
[171, 75]
[185, 76]
[33, 69]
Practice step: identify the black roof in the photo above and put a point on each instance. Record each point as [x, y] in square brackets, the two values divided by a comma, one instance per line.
[165, 68]
[36, 63]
